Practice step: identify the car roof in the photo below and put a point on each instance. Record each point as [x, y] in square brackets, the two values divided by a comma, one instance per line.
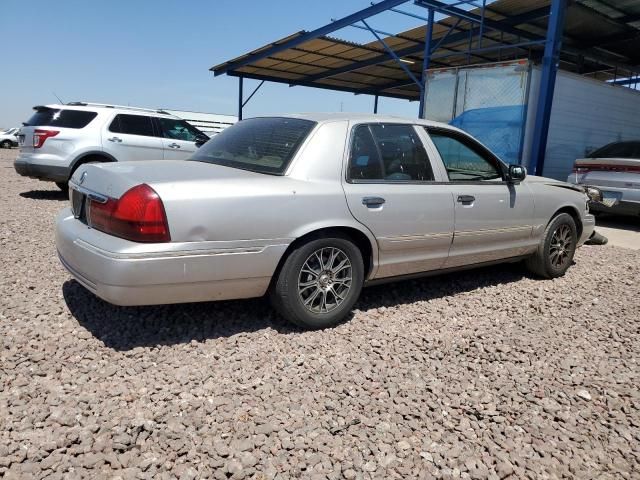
[322, 117]
[89, 106]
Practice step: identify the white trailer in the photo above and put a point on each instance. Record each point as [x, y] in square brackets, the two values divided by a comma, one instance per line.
[497, 103]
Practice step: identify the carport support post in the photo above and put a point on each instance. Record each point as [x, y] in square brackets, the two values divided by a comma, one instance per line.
[547, 84]
[425, 61]
[239, 98]
[375, 104]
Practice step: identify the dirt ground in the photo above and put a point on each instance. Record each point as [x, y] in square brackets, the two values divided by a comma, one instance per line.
[484, 374]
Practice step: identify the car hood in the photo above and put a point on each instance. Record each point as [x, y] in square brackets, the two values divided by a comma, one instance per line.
[533, 179]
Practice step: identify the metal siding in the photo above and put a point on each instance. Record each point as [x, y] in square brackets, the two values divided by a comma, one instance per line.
[586, 114]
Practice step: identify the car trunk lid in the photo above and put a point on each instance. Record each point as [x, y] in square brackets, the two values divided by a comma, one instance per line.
[608, 172]
[114, 179]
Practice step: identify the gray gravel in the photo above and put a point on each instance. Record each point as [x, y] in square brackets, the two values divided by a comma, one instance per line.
[485, 374]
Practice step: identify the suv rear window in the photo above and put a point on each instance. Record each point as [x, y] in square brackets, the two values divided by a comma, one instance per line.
[262, 145]
[63, 118]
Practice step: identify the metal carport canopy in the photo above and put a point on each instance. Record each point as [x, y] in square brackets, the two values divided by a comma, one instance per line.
[600, 39]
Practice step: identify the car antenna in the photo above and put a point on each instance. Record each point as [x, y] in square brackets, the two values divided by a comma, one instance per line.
[59, 99]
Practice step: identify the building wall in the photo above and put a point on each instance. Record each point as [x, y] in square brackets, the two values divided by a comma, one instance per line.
[586, 114]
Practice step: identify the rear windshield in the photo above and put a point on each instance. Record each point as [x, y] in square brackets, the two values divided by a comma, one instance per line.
[50, 117]
[263, 145]
[618, 150]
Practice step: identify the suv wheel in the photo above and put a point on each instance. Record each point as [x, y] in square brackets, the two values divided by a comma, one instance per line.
[6, 144]
[319, 283]
[556, 249]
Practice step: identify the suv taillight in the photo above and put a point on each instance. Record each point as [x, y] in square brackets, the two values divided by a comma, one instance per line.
[40, 136]
[138, 215]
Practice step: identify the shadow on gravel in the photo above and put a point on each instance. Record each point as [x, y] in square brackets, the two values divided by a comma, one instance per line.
[45, 195]
[437, 286]
[125, 328]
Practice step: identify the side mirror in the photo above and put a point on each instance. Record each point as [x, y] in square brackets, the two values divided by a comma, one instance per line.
[517, 173]
[201, 140]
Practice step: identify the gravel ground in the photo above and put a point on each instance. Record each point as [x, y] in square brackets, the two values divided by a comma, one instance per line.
[485, 374]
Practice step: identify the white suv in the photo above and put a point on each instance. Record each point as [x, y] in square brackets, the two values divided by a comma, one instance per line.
[59, 138]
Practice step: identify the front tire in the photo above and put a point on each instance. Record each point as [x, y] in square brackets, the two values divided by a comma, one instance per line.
[557, 248]
[319, 282]
[6, 144]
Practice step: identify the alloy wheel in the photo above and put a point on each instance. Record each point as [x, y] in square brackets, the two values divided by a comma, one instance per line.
[325, 280]
[561, 245]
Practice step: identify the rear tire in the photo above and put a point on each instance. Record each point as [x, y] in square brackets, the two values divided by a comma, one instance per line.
[557, 248]
[63, 186]
[319, 282]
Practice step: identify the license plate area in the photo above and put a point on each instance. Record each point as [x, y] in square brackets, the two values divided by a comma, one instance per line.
[79, 204]
[611, 198]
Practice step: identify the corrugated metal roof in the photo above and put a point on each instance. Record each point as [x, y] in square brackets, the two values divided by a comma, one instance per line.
[601, 39]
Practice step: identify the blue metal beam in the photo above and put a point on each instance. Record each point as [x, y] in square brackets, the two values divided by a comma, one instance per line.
[499, 25]
[253, 93]
[428, 39]
[240, 94]
[302, 83]
[305, 37]
[448, 9]
[453, 38]
[550, 62]
[393, 55]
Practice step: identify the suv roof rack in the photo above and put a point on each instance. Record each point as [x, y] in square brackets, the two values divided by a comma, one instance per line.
[124, 107]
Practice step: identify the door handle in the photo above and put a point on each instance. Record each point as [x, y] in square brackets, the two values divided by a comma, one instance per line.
[115, 139]
[373, 202]
[173, 145]
[466, 199]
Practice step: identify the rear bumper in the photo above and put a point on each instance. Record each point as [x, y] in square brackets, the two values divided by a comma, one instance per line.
[621, 208]
[123, 274]
[28, 168]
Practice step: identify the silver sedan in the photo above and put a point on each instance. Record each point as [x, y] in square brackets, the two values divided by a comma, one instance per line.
[309, 209]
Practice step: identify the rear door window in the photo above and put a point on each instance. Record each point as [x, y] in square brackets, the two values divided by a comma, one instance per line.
[63, 118]
[390, 153]
[132, 125]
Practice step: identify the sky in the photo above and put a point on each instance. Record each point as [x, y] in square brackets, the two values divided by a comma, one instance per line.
[157, 53]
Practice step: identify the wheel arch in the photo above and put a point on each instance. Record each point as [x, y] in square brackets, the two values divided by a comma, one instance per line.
[90, 156]
[362, 239]
[573, 212]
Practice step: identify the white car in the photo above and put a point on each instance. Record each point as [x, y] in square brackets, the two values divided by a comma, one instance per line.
[59, 138]
[615, 170]
[8, 138]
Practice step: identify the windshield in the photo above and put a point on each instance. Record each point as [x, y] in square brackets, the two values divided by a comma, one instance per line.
[263, 145]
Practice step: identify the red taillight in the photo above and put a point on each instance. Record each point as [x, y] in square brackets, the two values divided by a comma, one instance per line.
[138, 216]
[40, 136]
